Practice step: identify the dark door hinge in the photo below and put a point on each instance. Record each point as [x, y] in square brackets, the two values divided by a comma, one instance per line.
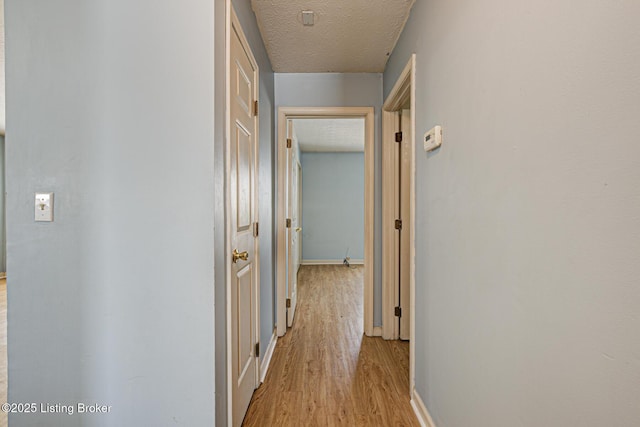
[288, 223]
[288, 302]
[255, 107]
[398, 136]
[398, 224]
[256, 229]
[398, 312]
[257, 349]
[289, 142]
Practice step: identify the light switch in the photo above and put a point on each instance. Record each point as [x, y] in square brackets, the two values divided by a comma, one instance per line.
[44, 207]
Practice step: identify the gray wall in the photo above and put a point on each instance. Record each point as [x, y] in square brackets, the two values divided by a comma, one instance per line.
[527, 237]
[112, 302]
[332, 206]
[343, 90]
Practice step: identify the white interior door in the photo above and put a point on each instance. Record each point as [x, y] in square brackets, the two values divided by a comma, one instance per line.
[405, 212]
[242, 217]
[295, 220]
[298, 254]
[293, 226]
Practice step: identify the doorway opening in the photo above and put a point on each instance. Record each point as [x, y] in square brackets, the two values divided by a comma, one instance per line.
[289, 228]
[398, 214]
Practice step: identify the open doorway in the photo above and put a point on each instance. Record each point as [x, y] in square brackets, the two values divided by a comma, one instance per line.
[293, 245]
[398, 214]
[332, 208]
[325, 211]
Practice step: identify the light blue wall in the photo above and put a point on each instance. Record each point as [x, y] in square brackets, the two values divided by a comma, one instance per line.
[266, 202]
[110, 105]
[332, 206]
[343, 90]
[527, 242]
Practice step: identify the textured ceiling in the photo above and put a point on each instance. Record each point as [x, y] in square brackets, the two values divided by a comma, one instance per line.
[315, 135]
[349, 36]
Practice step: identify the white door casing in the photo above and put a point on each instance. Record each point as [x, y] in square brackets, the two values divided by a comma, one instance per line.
[284, 115]
[242, 215]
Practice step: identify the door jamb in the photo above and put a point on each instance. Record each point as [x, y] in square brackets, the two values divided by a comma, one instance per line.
[403, 90]
[231, 22]
[285, 113]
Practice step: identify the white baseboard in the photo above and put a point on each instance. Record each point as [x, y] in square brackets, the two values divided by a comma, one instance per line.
[266, 360]
[330, 262]
[377, 331]
[420, 410]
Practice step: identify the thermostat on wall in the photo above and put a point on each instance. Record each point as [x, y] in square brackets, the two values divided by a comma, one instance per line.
[433, 139]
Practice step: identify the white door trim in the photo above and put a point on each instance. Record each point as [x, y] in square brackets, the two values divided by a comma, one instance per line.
[403, 90]
[231, 21]
[285, 113]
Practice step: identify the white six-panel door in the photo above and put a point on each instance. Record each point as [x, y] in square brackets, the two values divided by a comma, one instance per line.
[293, 231]
[242, 217]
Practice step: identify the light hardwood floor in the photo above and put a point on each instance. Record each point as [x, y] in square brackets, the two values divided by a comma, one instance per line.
[3, 349]
[324, 371]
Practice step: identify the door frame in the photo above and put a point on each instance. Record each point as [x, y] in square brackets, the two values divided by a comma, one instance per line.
[285, 113]
[232, 23]
[403, 91]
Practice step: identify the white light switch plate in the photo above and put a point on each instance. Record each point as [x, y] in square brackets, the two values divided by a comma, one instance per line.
[44, 207]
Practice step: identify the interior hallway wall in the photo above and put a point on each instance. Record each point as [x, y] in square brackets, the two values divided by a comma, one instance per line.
[528, 217]
[332, 206]
[343, 90]
[113, 302]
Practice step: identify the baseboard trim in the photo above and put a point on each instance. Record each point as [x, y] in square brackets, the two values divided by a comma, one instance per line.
[419, 408]
[330, 262]
[3, 275]
[377, 331]
[266, 360]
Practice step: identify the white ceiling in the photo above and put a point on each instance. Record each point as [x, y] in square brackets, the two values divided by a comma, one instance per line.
[332, 135]
[349, 36]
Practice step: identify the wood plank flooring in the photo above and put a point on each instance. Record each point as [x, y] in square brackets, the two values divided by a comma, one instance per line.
[324, 371]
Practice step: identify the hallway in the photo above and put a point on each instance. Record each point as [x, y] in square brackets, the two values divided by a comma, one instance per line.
[324, 370]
